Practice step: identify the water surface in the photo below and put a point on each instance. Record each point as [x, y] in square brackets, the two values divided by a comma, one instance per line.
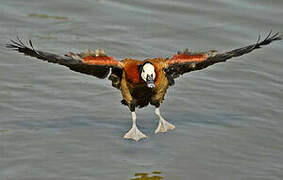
[58, 124]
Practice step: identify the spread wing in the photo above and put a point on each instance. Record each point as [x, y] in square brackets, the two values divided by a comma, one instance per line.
[186, 61]
[92, 63]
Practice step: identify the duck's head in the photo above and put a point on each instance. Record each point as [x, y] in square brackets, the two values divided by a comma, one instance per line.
[148, 74]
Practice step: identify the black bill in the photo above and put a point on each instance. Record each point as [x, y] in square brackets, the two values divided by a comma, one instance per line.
[150, 82]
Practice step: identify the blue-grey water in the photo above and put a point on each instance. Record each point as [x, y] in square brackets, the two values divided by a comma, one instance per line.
[58, 124]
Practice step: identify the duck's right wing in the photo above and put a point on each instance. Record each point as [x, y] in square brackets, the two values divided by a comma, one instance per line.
[92, 63]
[184, 62]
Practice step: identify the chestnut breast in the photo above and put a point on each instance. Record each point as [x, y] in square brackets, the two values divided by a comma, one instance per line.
[131, 69]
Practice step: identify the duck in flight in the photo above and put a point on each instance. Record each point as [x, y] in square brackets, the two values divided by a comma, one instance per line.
[141, 82]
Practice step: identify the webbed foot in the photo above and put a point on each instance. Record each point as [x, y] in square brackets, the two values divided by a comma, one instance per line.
[135, 134]
[164, 126]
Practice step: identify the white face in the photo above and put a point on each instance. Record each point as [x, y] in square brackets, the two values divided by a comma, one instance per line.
[148, 74]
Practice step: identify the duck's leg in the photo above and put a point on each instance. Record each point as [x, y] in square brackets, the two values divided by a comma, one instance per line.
[134, 133]
[156, 100]
[163, 125]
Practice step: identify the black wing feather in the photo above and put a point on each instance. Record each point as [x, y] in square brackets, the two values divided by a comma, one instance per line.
[175, 70]
[73, 64]
[45, 56]
[244, 50]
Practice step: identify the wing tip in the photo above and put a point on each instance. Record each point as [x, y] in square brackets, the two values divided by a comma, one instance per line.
[268, 39]
[23, 47]
[18, 44]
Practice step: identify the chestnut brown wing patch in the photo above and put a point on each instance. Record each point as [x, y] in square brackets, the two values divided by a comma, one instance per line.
[101, 61]
[185, 57]
[186, 61]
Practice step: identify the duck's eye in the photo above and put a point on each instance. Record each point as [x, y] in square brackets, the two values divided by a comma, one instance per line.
[143, 70]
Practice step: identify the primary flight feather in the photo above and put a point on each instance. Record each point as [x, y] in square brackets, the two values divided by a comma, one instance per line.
[140, 82]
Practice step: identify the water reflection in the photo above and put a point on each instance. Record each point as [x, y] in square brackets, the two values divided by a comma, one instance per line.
[156, 175]
[44, 16]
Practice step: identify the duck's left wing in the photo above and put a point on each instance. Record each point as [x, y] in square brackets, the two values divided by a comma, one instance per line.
[95, 63]
[186, 61]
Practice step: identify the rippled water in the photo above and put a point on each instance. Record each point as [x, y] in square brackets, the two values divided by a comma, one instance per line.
[57, 124]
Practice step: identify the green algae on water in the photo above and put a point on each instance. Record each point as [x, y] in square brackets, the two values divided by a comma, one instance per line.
[148, 176]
